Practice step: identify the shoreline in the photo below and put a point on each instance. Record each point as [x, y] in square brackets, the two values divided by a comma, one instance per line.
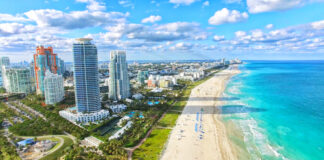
[200, 132]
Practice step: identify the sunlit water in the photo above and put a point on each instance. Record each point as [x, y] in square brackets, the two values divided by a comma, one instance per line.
[279, 106]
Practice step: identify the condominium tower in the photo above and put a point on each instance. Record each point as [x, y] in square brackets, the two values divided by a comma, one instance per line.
[119, 82]
[17, 80]
[4, 61]
[53, 87]
[44, 60]
[86, 80]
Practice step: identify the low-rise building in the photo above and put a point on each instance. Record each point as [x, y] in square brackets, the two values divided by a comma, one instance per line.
[121, 131]
[138, 96]
[74, 116]
[118, 108]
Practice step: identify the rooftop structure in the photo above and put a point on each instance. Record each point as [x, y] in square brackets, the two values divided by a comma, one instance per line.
[121, 131]
[26, 142]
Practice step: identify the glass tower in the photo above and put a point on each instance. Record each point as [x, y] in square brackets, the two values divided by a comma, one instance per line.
[44, 60]
[119, 82]
[17, 80]
[86, 79]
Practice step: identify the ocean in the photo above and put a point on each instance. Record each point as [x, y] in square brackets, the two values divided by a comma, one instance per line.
[279, 108]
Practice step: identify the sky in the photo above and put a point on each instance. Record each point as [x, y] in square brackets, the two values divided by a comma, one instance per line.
[166, 29]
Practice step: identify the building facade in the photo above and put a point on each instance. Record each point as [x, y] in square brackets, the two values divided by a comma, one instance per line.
[119, 87]
[44, 60]
[84, 117]
[86, 80]
[141, 77]
[4, 61]
[53, 88]
[17, 80]
[61, 66]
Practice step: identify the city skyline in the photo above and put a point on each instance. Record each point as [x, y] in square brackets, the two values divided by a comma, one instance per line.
[150, 30]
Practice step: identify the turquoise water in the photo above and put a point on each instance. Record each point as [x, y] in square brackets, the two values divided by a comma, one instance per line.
[279, 106]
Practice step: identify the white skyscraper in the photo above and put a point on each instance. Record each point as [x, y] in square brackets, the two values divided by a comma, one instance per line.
[53, 88]
[119, 87]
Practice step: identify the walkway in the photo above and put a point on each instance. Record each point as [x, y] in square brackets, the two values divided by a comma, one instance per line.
[131, 150]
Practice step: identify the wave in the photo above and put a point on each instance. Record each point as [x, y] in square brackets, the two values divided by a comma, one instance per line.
[255, 138]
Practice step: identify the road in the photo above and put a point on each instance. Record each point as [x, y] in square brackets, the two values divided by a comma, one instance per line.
[36, 113]
[61, 142]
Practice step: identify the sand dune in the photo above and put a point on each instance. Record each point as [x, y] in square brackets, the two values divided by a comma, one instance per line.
[199, 132]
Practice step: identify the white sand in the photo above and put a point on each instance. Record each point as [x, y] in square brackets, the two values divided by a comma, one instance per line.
[185, 143]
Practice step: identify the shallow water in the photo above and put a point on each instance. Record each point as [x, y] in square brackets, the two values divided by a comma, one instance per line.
[279, 107]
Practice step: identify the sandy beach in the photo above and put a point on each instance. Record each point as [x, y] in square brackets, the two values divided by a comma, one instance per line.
[199, 133]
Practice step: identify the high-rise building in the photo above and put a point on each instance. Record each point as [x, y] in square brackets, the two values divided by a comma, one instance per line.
[86, 84]
[44, 60]
[53, 87]
[61, 66]
[141, 77]
[17, 80]
[4, 61]
[86, 79]
[119, 87]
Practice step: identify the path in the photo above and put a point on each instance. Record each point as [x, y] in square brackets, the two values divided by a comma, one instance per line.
[61, 142]
[131, 150]
[36, 113]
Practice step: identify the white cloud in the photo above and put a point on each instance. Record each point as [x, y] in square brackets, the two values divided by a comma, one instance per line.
[151, 19]
[182, 46]
[126, 3]
[15, 28]
[232, 1]
[258, 6]
[11, 18]
[93, 5]
[75, 19]
[227, 16]
[269, 26]
[218, 38]
[157, 33]
[206, 3]
[318, 24]
[240, 33]
[179, 27]
[202, 36]
[182, 2]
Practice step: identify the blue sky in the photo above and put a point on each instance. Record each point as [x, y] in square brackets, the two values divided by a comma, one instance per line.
[166, 29]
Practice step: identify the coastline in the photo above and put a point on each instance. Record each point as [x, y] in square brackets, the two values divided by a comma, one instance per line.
[200, 132]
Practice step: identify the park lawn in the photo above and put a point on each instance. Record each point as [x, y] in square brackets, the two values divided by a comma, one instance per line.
[179, 105]
[153, 146]
[58, 153]
[169, 120]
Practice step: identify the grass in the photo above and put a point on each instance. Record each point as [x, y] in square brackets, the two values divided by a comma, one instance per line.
[169, 120]
[58, 153]
[153, 146]
[179, 105]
